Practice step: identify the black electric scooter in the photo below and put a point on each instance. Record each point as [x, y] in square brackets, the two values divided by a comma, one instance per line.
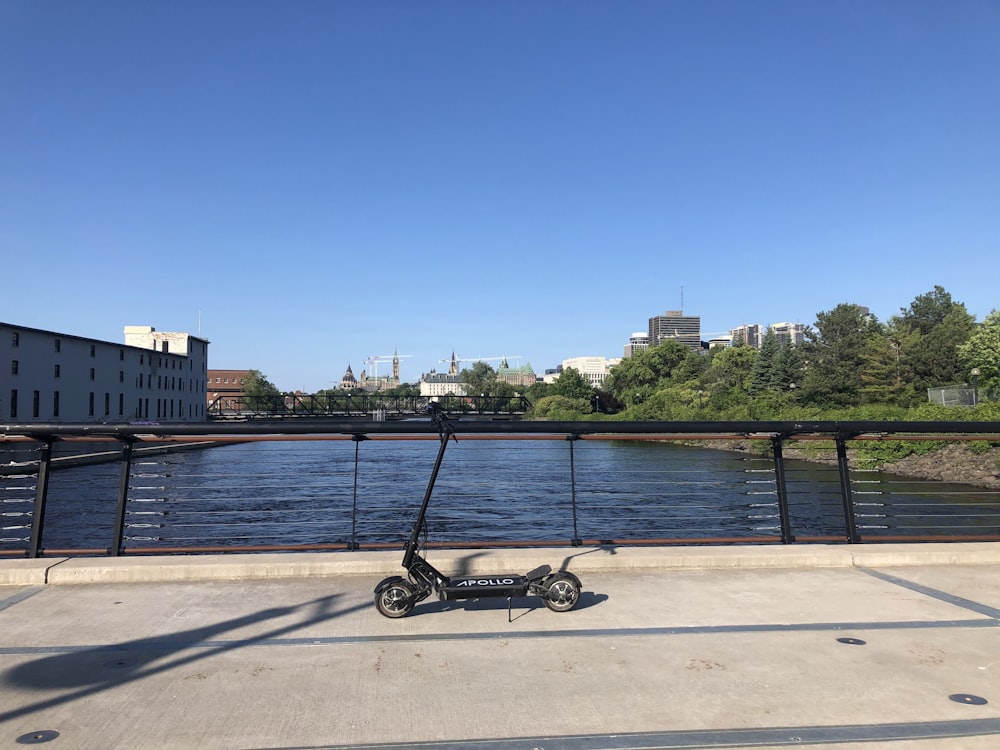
[396, 596]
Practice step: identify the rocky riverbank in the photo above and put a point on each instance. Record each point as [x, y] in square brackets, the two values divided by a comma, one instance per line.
[955, 463]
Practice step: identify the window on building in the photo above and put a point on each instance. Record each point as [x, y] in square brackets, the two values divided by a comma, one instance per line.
[13, 403]
[16, 339]
[121, 376]
[57, 371]
[93, 350]
[92, 374]
[121, 404]
[58, 343]
[35, 403]
[55, 404]
[107, 404]
[121, 354]
[13, 367]
[91, 404]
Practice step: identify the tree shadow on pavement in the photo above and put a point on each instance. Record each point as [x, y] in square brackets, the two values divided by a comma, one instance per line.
[92, 669]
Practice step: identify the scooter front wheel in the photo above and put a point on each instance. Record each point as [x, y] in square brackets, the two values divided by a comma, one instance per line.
[396, 600]
[562, 592]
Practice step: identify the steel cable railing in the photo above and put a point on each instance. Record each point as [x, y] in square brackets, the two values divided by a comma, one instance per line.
[361, 490]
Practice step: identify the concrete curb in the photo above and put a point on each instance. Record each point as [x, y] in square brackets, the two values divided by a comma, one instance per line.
[581, 560]
[24, 572]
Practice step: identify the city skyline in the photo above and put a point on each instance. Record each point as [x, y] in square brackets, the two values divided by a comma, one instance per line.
[309, 185]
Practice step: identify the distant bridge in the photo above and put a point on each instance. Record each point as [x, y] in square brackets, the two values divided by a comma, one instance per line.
[371, 406]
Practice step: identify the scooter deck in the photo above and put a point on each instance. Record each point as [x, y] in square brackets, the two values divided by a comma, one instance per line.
[475, 587]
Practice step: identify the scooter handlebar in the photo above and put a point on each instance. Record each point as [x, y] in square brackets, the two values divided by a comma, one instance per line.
[441, 420]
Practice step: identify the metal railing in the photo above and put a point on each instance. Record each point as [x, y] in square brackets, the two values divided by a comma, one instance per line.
[591, 502]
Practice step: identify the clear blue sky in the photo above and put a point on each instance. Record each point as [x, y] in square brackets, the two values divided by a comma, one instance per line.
[315, 182]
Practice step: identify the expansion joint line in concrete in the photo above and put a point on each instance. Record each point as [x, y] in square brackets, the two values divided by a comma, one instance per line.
[707, 739]
[944, 596]
[19, 597]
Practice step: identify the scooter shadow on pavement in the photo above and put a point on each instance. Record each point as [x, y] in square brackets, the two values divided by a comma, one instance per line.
[519, 605]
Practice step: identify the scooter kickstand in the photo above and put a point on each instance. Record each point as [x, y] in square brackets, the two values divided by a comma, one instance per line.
[509, 617]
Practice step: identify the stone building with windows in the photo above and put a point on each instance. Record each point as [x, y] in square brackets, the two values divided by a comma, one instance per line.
[594, 369]
[521, 377]
[225, 387]
[442, 384]
[46, 376]
[348, 382]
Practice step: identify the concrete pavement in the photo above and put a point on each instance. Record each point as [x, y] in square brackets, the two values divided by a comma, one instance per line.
[852, 646]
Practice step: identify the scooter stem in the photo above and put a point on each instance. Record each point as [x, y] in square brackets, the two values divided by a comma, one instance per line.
[445, 430]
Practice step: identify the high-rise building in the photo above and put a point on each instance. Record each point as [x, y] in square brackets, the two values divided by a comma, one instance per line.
[792, 333]
[674, 324]
[636, 342]
[747, 335]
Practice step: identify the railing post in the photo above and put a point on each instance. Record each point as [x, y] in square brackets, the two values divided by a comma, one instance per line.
[845, 492]
[575, 541]
[779, 479]
[353, 544]
[118, 542]
[41, 495]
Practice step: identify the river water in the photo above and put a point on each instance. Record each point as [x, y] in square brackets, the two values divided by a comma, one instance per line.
[298, 493]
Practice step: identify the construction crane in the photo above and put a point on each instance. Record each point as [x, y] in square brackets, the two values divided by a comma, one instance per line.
[373, 361]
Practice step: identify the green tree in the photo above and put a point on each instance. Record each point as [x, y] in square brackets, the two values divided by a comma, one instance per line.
[572, 384]
[537, 391]
[764, 373]
[880, 374]
[261, 393]
[637, 377]
[257, 384]
[691, 368]
[479, 379]
[933, 326]
[732, 367]
[834, 352]
[403, 390]
[982, 353]
[789, 368]
[560, 408]
[778, 367]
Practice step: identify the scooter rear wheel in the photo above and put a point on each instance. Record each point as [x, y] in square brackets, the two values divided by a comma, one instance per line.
[396, 600]
[561, 593]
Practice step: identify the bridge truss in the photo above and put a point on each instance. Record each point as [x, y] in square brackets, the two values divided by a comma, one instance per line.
[375, 406]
